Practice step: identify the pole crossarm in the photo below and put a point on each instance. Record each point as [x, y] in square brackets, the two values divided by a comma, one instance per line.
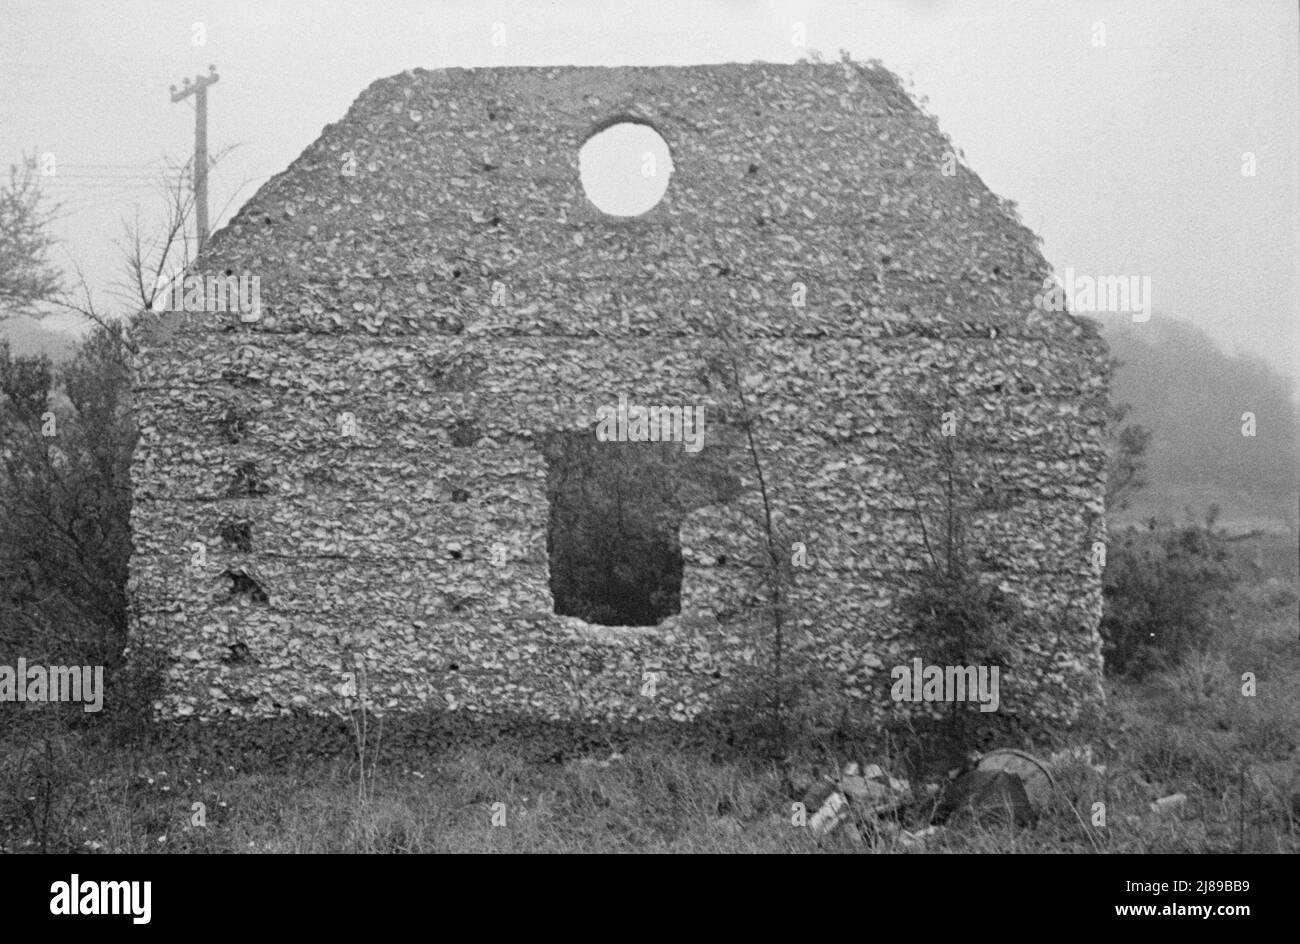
[191, 86]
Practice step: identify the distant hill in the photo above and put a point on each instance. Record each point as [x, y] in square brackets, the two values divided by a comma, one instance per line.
[27, 336]
[1192, 395]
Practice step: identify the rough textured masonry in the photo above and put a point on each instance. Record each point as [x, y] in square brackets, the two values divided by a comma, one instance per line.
[319, 493]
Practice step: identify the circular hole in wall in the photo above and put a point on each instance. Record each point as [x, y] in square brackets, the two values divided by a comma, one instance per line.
[625, 168]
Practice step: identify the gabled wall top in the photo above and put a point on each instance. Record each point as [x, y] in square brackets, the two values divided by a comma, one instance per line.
[826, 174]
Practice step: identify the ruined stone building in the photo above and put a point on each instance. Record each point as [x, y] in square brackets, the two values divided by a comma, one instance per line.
[358, 486]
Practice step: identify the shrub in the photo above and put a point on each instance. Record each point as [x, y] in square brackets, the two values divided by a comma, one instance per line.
[38, 768]
[66, 438]
[956, 613]
[1161, 589]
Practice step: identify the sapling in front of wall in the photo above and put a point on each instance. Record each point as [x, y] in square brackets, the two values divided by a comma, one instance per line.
[956, 618]
[777, 575]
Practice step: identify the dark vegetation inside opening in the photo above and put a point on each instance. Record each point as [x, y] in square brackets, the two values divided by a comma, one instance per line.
[613, 531]
[237, 535]
[244, 585]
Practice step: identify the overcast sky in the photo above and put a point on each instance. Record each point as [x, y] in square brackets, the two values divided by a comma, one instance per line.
[1125, 157]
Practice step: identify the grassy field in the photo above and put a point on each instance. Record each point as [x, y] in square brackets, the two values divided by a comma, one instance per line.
[1187, 730]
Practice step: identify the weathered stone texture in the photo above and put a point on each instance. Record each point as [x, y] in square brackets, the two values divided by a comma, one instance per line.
[377, 302]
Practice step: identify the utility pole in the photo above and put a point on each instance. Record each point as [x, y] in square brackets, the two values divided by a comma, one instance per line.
[198, 87]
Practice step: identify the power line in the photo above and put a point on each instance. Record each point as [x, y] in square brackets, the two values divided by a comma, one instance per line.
[120, 203]
[71, 180]
[112, 166]
[99, 200]
[76, 176]
[104, 194]
[124, 201]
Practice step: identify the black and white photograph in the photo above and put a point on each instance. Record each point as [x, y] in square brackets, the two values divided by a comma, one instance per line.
[690, 427]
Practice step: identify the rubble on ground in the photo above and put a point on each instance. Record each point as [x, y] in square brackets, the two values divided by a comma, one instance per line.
[858, 791]
[1005, 784]
[1169, 804]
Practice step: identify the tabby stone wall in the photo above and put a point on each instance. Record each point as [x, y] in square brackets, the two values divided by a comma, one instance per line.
[344, 493]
